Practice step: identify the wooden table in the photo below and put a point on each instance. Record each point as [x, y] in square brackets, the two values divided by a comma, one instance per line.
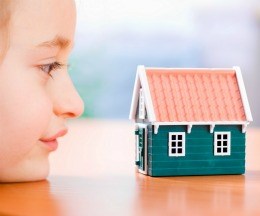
[93, 173]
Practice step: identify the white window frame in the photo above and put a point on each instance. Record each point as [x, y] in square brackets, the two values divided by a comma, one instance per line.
[141, 104]
[176, 147]
[219, 143]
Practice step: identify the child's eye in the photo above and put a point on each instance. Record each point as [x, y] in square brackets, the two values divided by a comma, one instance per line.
[48, 68]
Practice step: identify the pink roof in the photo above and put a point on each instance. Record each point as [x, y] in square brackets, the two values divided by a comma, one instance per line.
[195, 95]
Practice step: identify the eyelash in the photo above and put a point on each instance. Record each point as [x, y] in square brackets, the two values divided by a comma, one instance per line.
[48, 68]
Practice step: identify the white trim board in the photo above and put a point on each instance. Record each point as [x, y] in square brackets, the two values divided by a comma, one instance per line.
[134, 102]
[243, 94]
[141, 81]
[211, 124]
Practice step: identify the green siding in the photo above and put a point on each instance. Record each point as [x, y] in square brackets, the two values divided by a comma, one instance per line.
[199, 158]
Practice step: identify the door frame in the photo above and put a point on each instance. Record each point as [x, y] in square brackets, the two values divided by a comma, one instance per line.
[144, 126]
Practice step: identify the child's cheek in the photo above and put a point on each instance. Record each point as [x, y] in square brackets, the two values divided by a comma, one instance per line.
[27, 113]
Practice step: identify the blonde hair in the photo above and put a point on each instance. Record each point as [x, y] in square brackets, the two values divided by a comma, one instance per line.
[5, 17]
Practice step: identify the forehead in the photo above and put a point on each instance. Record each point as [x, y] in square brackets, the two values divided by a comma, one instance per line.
[34, 22]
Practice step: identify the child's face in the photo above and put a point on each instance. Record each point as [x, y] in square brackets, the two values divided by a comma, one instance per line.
[34, 105]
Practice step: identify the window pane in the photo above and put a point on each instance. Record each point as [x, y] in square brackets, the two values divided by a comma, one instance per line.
[224, 143]
[176, 144]
[219, 143]
[218, 150]
[219, 136]
[224, 150]
[224, 136]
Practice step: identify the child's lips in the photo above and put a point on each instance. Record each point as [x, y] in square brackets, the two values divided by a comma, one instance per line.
[52, 142]
[51, 145]
[59, 134]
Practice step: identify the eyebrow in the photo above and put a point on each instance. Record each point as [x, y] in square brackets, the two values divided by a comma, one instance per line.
[58, 41]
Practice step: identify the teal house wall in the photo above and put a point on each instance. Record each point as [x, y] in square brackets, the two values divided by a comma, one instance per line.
[199, 156]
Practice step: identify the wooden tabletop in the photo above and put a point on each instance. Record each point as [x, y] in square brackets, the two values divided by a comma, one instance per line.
[93, 173]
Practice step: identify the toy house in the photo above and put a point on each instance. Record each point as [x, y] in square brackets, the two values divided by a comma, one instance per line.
[190, 121]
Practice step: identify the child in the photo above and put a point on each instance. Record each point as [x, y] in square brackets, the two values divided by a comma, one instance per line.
[36, 92]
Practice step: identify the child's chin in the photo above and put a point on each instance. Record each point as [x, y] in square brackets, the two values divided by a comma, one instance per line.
[26, 172]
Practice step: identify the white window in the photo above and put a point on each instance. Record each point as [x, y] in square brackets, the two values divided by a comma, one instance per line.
[222, 143]
[137, 158]
[141, 105]
[177, 144]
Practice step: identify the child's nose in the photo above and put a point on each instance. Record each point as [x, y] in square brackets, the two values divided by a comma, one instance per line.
[68, 103]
